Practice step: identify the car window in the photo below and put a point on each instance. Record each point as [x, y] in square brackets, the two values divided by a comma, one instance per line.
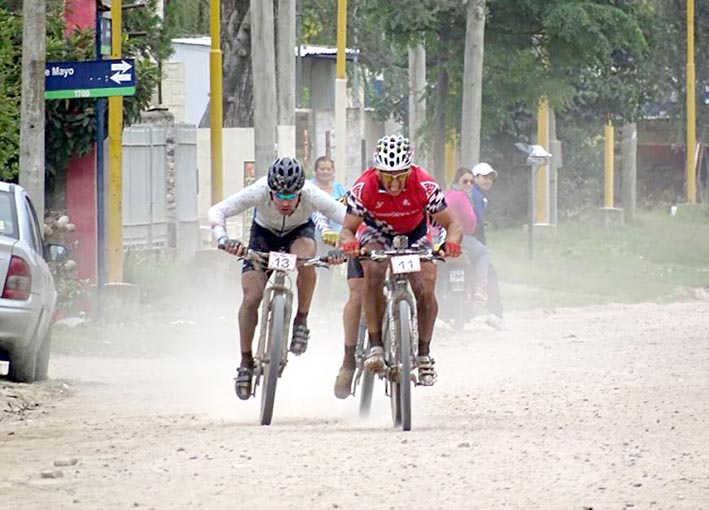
[8, 215]
[34, 227]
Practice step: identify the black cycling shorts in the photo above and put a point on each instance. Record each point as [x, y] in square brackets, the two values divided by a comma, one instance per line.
[354, 269]
[263, 239]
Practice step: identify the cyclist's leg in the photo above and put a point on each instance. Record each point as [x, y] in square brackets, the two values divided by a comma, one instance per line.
[252, 284]
[350, 322]
[423, 284]
[374, 303]
[303, 246]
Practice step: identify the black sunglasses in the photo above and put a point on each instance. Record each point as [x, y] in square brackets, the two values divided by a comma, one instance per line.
[467, 181]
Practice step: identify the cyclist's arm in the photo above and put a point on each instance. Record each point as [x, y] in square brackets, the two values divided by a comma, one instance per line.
[454, 231]
[322, 202]
[321, 222]
[349, 228]
[247, 198]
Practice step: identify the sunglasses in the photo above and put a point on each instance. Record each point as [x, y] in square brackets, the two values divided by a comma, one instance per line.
[286, 196]
[467, 181]
[387, 179]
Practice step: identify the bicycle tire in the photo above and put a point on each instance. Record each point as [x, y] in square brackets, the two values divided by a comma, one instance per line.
[404, 361]
[275, 350]
[394, 401]
[365, 395]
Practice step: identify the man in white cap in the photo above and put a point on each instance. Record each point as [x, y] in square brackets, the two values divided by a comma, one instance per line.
[484, 176]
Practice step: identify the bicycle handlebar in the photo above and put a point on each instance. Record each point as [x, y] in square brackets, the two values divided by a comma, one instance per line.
[259, 257]
[379, 255]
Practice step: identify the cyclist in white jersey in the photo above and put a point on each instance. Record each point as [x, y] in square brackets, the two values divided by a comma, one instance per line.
[284, 203]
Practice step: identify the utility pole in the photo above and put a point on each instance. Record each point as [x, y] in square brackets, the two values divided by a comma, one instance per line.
[472, 83]
[417, 99]
[691, 155]
[34, 20]
[115, 159]
[286, 78]
[264, 71]
[216, 114]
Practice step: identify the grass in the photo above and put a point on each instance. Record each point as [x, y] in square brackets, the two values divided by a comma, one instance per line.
[657, 257]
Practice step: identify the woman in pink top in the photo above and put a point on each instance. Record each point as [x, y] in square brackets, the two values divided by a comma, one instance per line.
[462, 209]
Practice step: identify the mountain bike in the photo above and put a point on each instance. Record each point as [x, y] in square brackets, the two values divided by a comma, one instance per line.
[272, 353]
[400, 324]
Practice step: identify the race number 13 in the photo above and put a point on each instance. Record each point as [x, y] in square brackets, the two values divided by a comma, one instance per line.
[281, 261]
[406, 264]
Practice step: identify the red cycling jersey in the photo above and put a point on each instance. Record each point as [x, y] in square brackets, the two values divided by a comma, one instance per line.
[399, 214]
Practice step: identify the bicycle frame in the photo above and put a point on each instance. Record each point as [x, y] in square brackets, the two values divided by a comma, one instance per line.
[281, 284]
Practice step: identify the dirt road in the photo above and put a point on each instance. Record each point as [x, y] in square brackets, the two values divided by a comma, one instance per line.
[603, 408]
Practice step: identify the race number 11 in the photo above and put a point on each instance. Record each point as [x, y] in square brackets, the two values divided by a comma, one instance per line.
[406, 264]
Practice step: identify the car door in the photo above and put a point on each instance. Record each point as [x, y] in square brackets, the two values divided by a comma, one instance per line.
[44, 278]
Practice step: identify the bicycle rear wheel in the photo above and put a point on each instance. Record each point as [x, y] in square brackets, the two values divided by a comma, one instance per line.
[403, 355]
[366, 377]
[275, 350]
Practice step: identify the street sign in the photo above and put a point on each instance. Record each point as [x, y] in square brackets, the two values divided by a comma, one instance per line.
[89, 78]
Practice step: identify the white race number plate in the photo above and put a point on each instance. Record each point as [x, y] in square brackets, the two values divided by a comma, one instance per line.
[406, 264]
[281, 261]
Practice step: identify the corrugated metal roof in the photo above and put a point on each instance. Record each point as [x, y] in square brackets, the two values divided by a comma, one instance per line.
[306, 50]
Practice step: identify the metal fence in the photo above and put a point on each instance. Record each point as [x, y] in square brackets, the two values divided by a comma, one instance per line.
[160, 188]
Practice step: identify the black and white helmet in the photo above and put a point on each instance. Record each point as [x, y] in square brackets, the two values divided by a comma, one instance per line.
[393, 153]
[286, 176]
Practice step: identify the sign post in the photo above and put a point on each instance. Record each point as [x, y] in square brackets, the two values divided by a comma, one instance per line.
[89, 78]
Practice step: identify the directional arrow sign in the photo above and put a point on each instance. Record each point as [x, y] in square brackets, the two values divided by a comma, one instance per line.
[89, 78]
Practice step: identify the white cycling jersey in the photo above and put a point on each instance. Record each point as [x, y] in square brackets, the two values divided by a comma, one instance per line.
[258, 194]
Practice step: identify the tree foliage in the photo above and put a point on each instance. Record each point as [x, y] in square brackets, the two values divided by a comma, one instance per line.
[70, 126]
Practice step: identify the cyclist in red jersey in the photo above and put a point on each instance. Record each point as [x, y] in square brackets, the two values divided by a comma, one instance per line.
[393, 198]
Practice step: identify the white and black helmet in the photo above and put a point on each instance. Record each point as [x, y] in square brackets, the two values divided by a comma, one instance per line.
[286, 176]
[393, 153]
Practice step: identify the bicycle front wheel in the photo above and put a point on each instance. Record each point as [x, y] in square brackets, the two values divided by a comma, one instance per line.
[365, 395]
[275, 350]
[403, 359]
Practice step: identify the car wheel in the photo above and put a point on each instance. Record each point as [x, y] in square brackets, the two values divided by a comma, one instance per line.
[41, 368]
[22, 365]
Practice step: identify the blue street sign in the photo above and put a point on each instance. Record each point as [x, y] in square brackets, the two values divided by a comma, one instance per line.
[90, 78]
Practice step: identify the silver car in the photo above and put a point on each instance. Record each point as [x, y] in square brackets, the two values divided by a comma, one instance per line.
[27, 293]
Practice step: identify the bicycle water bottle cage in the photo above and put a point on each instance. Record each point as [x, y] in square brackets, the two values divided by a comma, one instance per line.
[401, 242]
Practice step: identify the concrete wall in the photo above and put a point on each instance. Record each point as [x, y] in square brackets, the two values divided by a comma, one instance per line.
[174, 90]
[238, 147]
[195, 57]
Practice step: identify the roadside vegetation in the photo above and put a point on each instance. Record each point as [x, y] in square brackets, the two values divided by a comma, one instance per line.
[657, 257]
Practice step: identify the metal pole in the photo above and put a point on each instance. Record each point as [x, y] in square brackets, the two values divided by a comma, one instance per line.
[216, 113]
[100, 179]
[115, 170]
[609, 177]
[532, 210]
[691, 110]
[541, 175]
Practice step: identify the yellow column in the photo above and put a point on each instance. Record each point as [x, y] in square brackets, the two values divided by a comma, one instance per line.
[341, 95]
[691, 110]
[451, 162]
[114, 237]
[216, 113]
[608, 198]
[542, 139]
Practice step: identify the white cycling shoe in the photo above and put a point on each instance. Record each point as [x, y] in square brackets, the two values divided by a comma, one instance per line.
[427, 372]
[375, 359]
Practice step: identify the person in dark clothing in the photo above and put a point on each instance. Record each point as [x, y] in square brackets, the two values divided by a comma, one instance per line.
[484, 177]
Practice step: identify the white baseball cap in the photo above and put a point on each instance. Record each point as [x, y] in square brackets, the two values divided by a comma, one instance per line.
[484, 169]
